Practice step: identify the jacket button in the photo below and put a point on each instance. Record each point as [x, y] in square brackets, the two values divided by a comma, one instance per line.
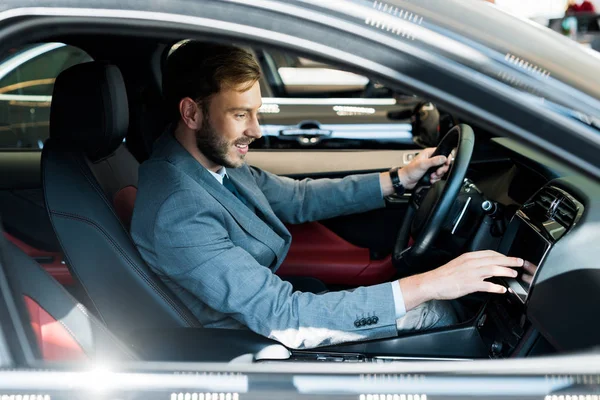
[370, 321]
[357, 323]
[362, 322]
[375, 320]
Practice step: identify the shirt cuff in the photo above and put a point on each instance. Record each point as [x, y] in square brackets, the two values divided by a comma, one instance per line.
[398, 300]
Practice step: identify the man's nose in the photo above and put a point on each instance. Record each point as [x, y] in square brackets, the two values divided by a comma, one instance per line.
[253, 129]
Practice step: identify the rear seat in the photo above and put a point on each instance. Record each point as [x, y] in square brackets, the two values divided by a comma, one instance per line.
[63, 327]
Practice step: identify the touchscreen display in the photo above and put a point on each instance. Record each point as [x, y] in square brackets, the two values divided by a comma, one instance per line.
[529, 245]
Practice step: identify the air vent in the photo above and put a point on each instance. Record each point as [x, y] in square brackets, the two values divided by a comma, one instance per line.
[565, 213]
[553, 204]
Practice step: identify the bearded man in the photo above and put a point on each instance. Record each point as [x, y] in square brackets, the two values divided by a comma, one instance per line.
[213, 230]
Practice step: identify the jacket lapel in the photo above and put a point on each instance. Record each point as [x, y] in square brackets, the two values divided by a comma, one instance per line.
[246, 218]
[244, 182]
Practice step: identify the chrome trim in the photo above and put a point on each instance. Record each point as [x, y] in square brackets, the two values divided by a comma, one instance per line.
[578, 204]
[382, 131]
[555, 203]
[328, 102]
[25, 97]
[462, 213]
[403, 358]
[27, 55]
[434, 386]
[408, 157]
[106, 379]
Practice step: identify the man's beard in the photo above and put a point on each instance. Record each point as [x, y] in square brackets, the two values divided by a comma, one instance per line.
[215, 147]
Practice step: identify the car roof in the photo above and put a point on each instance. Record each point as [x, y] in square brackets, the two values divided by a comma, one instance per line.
[523, 44]
[482, 25]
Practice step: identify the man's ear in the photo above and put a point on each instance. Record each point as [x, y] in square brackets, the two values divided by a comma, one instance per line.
[190, 113]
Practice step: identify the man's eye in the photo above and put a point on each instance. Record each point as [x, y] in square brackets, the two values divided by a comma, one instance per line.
[241, 115]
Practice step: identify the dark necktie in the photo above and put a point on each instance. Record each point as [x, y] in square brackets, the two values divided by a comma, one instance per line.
[229, 185]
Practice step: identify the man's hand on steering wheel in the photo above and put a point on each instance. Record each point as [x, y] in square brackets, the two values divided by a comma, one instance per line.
[413, 172]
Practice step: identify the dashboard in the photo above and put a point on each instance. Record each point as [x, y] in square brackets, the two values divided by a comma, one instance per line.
[556, 230]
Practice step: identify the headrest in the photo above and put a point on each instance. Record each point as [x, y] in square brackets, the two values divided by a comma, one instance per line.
[89, 109]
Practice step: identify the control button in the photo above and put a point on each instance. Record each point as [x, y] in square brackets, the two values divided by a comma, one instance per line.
[496, 347]
[486, 205]
[481, 321]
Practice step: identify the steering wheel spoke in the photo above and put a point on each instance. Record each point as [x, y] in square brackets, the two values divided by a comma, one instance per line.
[419, 194]
[432, 203]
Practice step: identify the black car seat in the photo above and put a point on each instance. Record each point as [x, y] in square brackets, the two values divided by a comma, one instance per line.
[63, 328]
[84, 164]
[148, 119]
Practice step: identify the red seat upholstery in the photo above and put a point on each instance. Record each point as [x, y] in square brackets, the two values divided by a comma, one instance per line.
[123, 202]
[54, 340]
[63, 328]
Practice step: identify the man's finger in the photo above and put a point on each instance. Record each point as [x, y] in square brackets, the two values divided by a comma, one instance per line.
[500, 260]
[482, 254]
[496, 270]
[427, 152]
[435, 161]
[492, 288]
[442, 170]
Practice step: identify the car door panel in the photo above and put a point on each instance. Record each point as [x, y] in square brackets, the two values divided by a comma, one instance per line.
[349, 250]
[297, 163]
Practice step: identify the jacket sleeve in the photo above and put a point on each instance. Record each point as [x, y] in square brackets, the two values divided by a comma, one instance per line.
[194, 250]
[298, 201]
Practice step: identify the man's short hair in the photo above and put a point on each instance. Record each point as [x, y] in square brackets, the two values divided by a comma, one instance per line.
[199, 70]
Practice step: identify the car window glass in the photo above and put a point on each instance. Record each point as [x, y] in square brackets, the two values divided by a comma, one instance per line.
[27, 78]
[313, 105]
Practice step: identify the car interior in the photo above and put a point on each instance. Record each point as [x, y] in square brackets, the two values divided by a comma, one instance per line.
[66, 206]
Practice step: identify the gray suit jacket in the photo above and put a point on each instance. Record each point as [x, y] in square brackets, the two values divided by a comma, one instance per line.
[219, 256]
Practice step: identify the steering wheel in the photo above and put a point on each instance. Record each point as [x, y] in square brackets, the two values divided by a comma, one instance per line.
[430, 204]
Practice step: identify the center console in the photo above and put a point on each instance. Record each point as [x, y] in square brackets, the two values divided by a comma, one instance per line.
[530, 235]
[535, 228]
[500, 327]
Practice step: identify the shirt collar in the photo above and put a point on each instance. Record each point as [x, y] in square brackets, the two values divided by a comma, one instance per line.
[219, 175]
